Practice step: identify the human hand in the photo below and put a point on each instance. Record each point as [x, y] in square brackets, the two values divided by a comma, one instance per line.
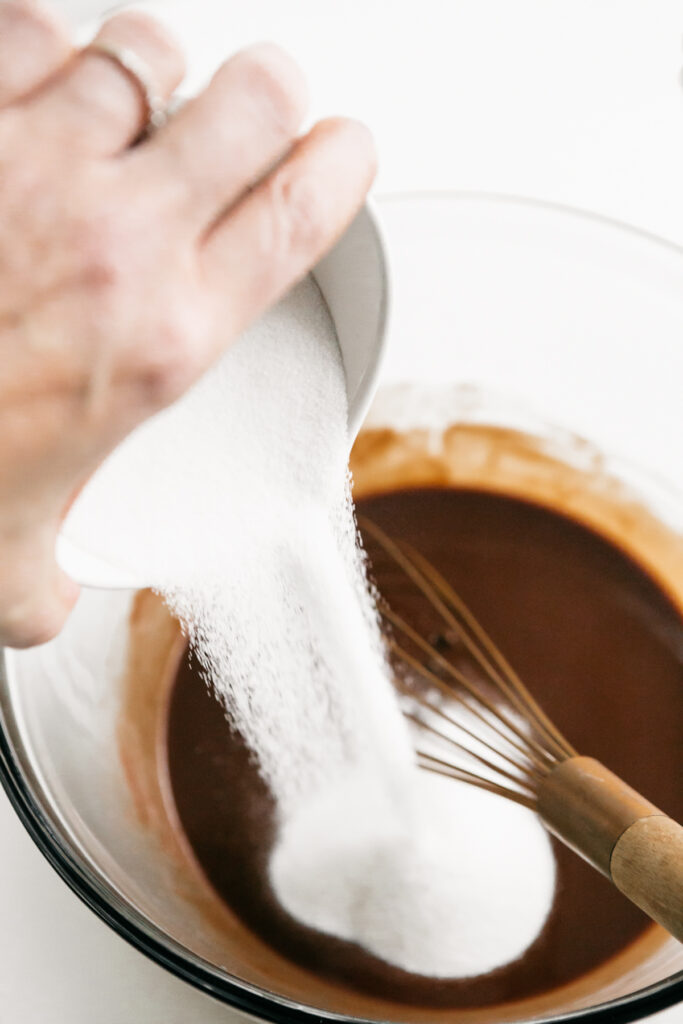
[124, 272]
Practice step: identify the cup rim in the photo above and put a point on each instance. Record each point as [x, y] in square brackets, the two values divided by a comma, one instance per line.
[129, 924]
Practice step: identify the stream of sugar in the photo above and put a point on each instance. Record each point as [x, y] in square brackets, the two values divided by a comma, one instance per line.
[235, 505]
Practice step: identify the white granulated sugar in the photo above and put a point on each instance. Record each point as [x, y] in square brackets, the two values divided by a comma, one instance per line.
[234, 505]
[458, 884]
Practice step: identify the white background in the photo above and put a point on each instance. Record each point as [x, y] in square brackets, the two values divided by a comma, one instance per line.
[576, 101]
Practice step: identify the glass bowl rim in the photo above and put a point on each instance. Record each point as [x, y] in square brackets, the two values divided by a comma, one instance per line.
[130, 925]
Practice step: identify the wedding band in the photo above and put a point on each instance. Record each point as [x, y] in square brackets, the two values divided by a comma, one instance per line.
[138, 72]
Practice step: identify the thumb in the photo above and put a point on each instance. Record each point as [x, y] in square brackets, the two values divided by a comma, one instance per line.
[36, 597]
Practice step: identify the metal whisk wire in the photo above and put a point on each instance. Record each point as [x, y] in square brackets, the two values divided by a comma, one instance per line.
[531, 744]
[511, 748]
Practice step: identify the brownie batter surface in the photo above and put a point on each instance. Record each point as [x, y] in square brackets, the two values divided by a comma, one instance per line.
[597, 642]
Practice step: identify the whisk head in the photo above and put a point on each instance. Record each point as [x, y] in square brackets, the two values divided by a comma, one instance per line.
[478, 723]
[476, 720]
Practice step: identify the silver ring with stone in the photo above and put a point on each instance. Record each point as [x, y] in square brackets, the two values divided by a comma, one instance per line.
[138, 72]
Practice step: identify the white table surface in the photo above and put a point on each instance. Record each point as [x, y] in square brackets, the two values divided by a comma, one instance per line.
[575, 101]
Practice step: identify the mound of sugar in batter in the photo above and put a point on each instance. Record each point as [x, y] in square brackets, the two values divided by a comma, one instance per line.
[234, 505]
[457, 886]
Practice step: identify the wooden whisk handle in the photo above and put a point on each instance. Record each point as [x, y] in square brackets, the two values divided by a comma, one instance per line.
[620, 833]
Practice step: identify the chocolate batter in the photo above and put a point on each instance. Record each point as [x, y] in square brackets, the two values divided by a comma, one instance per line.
[594, 638]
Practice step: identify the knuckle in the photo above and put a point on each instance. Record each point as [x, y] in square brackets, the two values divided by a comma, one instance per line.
[170, 365]
[102, 251]
[275, 84]
[299, 209]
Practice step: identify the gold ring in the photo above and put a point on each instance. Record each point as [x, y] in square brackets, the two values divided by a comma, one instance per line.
[138, 72]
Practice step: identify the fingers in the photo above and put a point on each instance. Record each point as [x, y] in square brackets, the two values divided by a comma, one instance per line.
[282, 228]
[33, 45]
[95, 107]
[231, 134]
[36, 597]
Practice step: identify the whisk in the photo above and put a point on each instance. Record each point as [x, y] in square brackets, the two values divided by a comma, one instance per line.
[493, 734]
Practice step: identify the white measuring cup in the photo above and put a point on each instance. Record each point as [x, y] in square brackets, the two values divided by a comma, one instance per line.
[353, 280]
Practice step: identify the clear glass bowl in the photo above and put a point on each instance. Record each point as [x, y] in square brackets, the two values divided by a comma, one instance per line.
[542, 319]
